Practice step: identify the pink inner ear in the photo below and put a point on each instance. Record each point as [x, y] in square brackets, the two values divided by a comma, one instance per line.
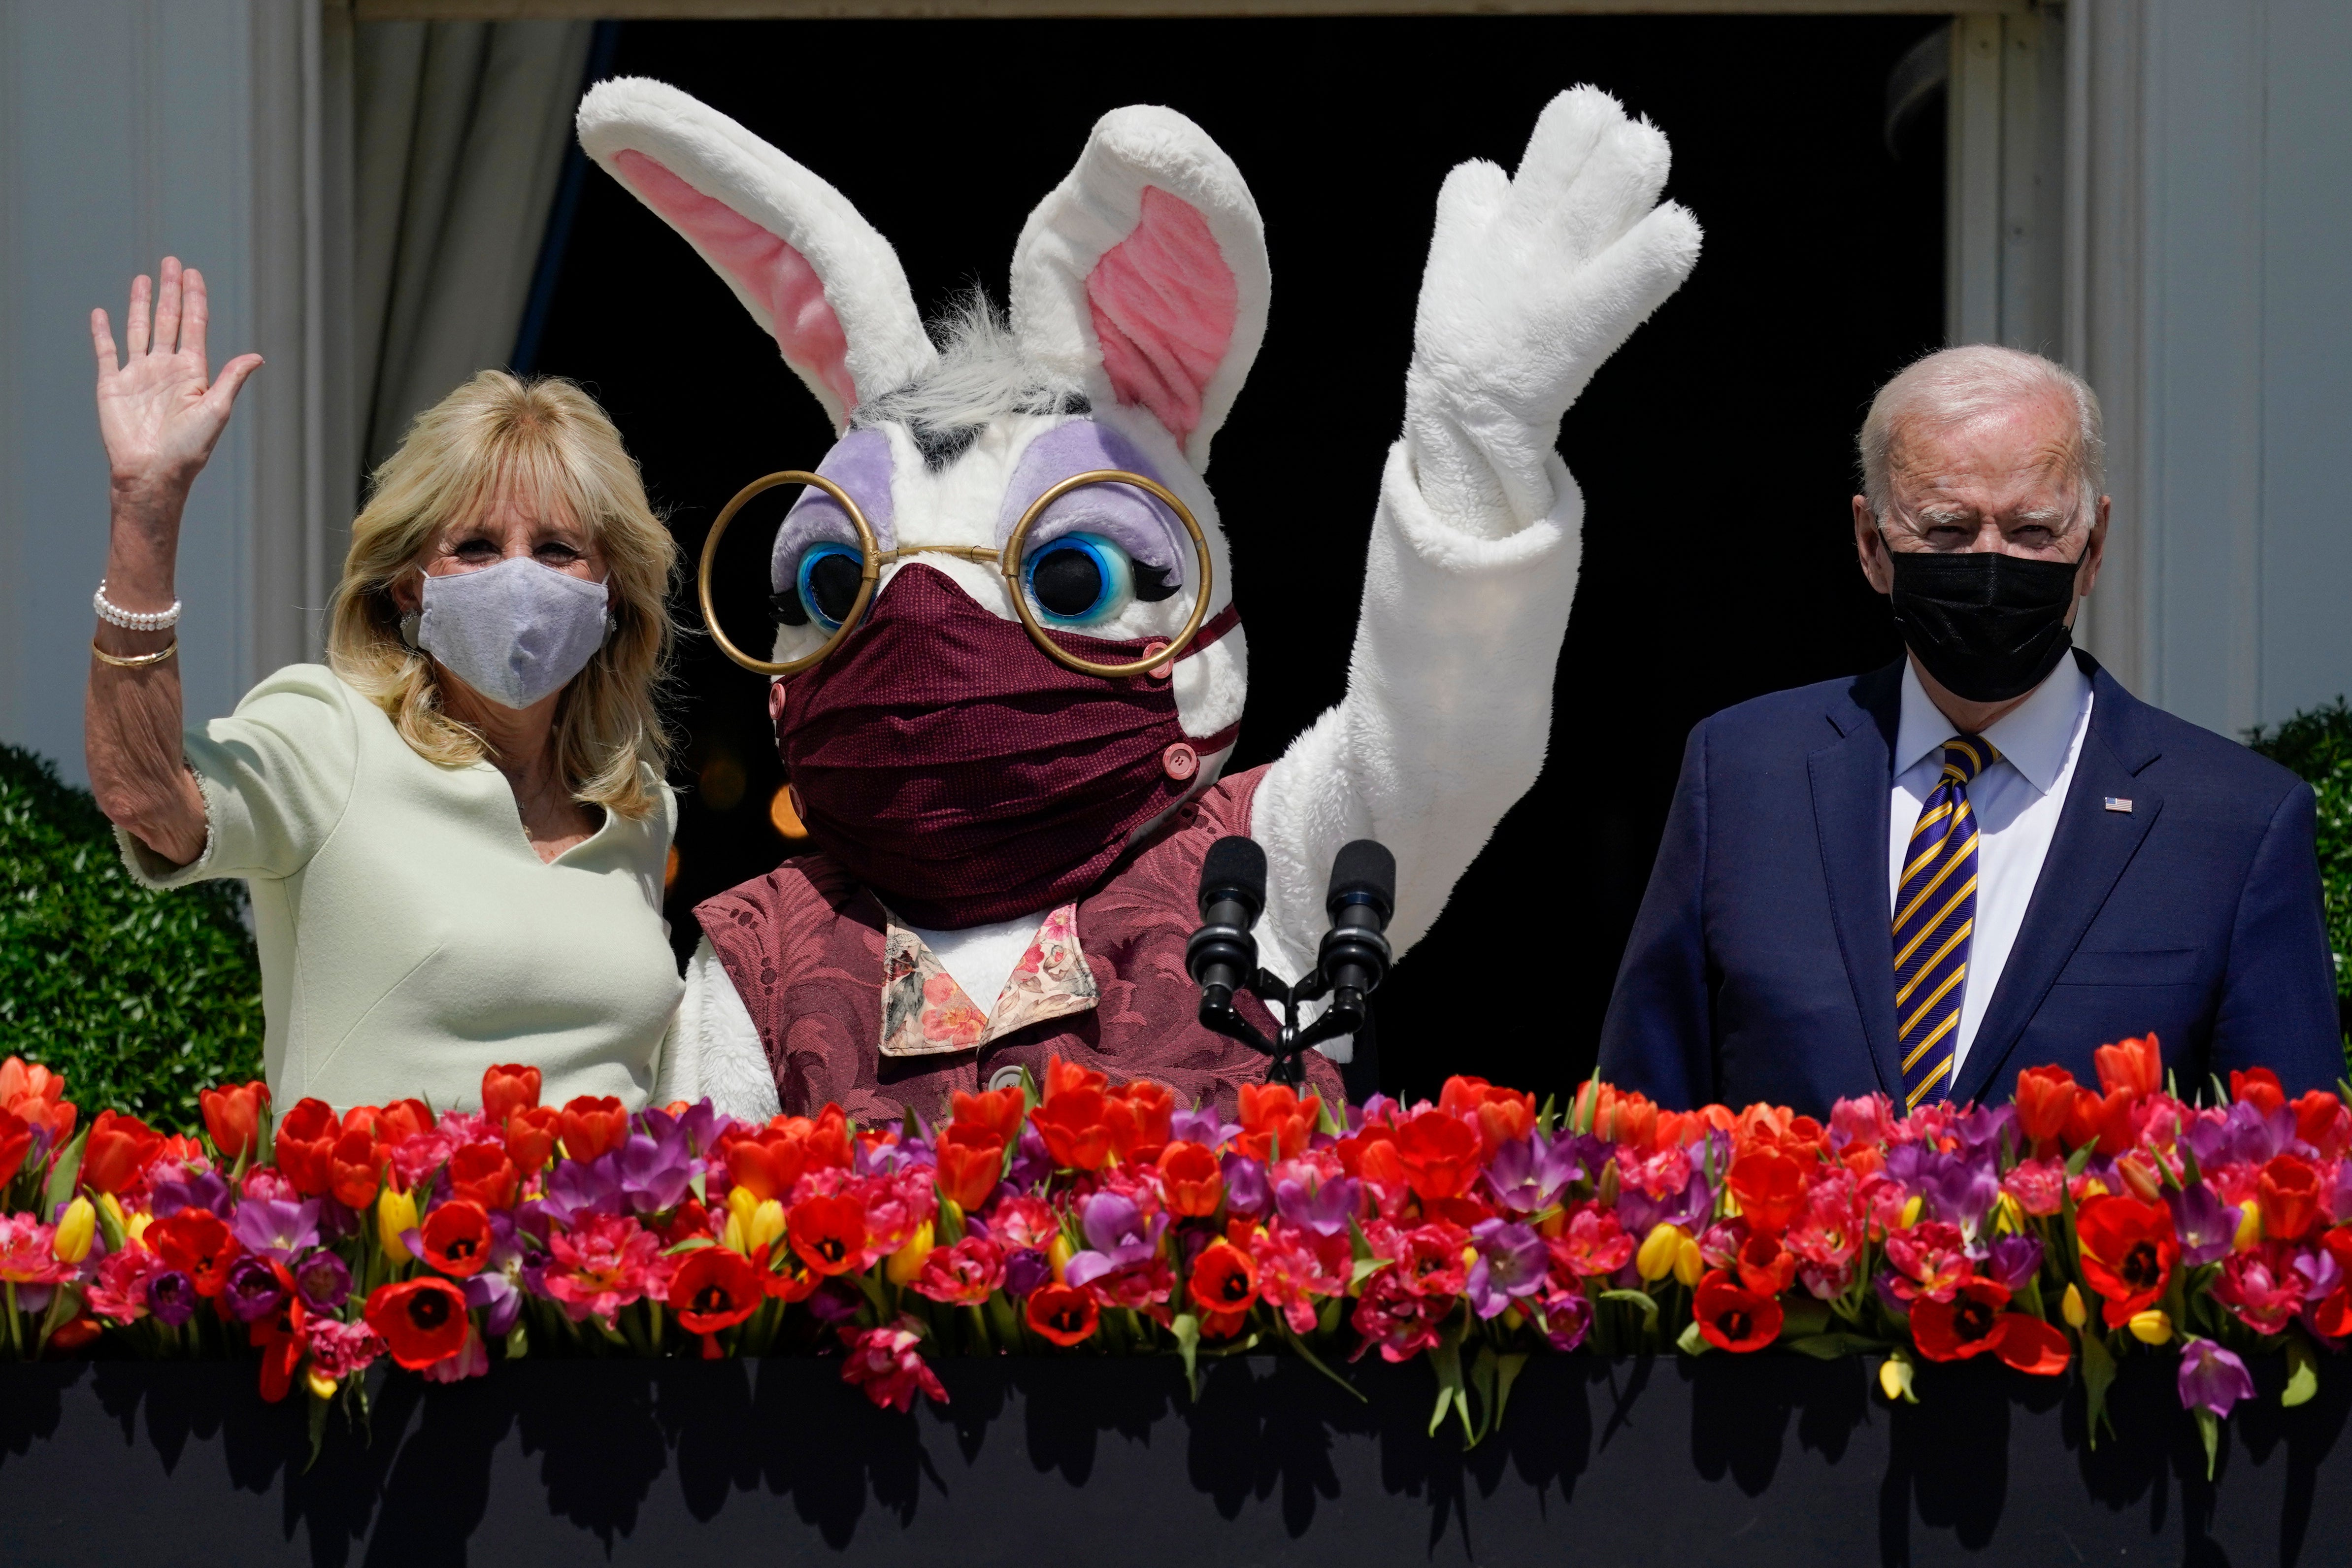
[771, 272]
[1163, 303]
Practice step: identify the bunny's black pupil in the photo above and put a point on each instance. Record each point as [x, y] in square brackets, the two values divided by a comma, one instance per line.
[1066, 580]
[833, 583]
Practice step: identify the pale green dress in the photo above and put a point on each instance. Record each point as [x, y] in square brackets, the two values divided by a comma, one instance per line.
[410, 936]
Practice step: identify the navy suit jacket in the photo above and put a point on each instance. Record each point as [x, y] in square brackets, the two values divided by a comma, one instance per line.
[1761, 965]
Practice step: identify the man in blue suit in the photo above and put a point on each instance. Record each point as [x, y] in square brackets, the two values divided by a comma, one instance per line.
[1988, 856]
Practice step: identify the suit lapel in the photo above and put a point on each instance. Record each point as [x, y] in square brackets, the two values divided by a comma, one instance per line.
[2087, 854]
[1852, 780]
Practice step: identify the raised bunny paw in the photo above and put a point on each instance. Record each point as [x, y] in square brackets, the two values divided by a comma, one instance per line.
[1534, 279]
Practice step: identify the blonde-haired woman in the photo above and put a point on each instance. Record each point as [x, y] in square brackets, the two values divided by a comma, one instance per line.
[454, 832]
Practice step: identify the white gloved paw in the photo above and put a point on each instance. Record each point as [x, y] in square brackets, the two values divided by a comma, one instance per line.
[1533, 280]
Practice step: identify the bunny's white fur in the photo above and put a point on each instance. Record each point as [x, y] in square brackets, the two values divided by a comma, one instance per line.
[1532, 280]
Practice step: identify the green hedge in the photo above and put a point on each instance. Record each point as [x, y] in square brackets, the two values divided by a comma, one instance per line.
[139, 998]
[2318, 746]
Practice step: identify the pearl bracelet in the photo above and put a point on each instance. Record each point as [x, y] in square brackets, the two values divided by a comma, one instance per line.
[114, 615]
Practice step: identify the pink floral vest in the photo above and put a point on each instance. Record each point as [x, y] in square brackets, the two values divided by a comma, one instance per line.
[805, 946]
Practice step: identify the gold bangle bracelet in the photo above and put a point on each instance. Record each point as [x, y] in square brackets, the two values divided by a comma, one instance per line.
[136, 661]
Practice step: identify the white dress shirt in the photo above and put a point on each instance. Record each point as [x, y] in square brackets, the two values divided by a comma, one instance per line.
[2015, 801]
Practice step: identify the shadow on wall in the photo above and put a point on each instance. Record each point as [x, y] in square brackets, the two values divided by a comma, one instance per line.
[1713, 451]
[1036, 1460]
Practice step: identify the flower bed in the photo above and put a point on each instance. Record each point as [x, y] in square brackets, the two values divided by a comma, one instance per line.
[2077, 1228]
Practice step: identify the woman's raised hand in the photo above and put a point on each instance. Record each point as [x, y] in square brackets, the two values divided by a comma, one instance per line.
[157, 411]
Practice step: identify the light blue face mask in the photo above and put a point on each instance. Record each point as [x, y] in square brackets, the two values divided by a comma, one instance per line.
[514, 632]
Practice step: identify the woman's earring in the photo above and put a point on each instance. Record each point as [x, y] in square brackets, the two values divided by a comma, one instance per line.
[408, 624]
[611, 626]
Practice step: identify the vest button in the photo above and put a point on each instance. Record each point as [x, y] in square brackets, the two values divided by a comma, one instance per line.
[1005, 1078]
[1180, 762]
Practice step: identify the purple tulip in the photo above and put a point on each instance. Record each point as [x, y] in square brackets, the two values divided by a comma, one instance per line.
[2014, 1261]
[1511, 1262]
[172, 1296]
[2321, 1277]
[1568, 1318]
[2206, 1227]
[1526, 1173]
[324, 1281]
[2212, 1378]
[493, 1289]
[1202, 1126]
[252, 1291]
[1117, 1234]
[1245, 1189]
[1033, 1164]
[1325, 1210]
[2241, 1135]
[576, 1188]
[187, 1190]
[275, 1228]
[654, 1173]
[1025, 1270]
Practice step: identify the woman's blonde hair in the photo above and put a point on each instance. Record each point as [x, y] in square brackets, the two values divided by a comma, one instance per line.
[545, 442]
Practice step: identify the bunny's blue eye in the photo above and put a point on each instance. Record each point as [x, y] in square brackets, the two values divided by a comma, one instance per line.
[1079, 579]
[825, 587]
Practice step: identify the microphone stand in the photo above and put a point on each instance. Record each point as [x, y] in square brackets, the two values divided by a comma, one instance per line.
[1289, 1050]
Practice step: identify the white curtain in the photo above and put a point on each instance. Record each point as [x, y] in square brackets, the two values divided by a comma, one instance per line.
[461, 132]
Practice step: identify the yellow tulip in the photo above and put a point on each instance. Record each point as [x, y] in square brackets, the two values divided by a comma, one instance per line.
[1894, 1380]
[2152, 1327]
[1690, 1265]
[134, 1229]
[1911, 1207]
[908, 1261]
[1058, 1257]
[2073, 1310]
[71, 1242]
[2250, 1227]
[395, 1211]
[1659, 1251]
[321, 1385]
[767, 1224]
[2008, 1219]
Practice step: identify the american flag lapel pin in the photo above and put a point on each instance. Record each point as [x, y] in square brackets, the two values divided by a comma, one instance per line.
[2119, 802]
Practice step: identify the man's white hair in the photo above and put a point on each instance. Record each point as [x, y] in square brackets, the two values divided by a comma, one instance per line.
[1952, 386]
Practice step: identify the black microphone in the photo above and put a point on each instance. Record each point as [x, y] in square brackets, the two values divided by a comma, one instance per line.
[1354, 958]
[1222, 955]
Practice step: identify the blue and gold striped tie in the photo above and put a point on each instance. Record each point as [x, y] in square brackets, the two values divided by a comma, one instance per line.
[1935, 912]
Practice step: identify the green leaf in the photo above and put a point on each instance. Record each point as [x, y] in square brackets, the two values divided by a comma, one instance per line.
[318, 1409]
[1641, 1298]
[1311, 1358]
[1831, 1347]
[1509, 1365]
[1482, 1383]
[1187, 1330]
[63, 1174]
[1803, 1317]
[2301, 1372]
[1445, 1358]
[1691, 1341]
[2098, 1375]
[2077, 1161]
[2209, 1427]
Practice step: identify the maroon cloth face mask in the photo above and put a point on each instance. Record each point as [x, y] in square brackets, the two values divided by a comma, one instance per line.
[966, 777]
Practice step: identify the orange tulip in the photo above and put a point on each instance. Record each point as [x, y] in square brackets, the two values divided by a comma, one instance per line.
[232, 1117]
[2136, 1067]
[971, 1162]
[1191, 1180]
[997, 1111]
[356, 1167]
[118, 1152]
[591, 1126]
[507, 1089]
[2287, 1191]
[38, 1095]
[2045, 1099]
[531, 1133]
[1770, 1188]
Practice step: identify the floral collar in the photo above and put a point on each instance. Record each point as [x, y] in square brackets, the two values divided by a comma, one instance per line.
[925, 1013]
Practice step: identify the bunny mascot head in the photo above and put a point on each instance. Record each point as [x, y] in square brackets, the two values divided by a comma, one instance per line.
[1009, 662]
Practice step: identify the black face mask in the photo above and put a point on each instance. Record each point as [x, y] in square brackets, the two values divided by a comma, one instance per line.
[1988, 626]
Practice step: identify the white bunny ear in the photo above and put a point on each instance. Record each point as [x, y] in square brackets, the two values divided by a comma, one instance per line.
[1144, 275]
[814, 274]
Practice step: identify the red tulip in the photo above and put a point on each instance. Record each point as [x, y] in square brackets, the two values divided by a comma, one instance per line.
[456, 1238]
[1076, 1127]
[1439, 1155]
[1276, 1123]
[421, 1320]
[1063, 1313]
[1732, 1317]
[483, 1173]
[1191, 1180]
[2287, 1191]
[714, 1288]
[531, 1132]
[768, 1161]
[1501, 1115]
[2128, 1252]
[972, 1162]
[2257, 1086]
[197, 1243]
[2045, 1099]
[997, 1111]
[1973, 1322]
[118, 1152]
[2134, 1067]
[232, 1116]
[1224, 1279]
[355, 1168]
[16, 1142]
[2321, 1122]
[1151, 1111]
[507, 1089]
[591, 1126]
[829, 1233]
[1770, 1188]
[306, 1147]
[1764, 1265]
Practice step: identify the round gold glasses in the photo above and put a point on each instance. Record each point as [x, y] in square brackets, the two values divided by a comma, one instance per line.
[872, 558]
